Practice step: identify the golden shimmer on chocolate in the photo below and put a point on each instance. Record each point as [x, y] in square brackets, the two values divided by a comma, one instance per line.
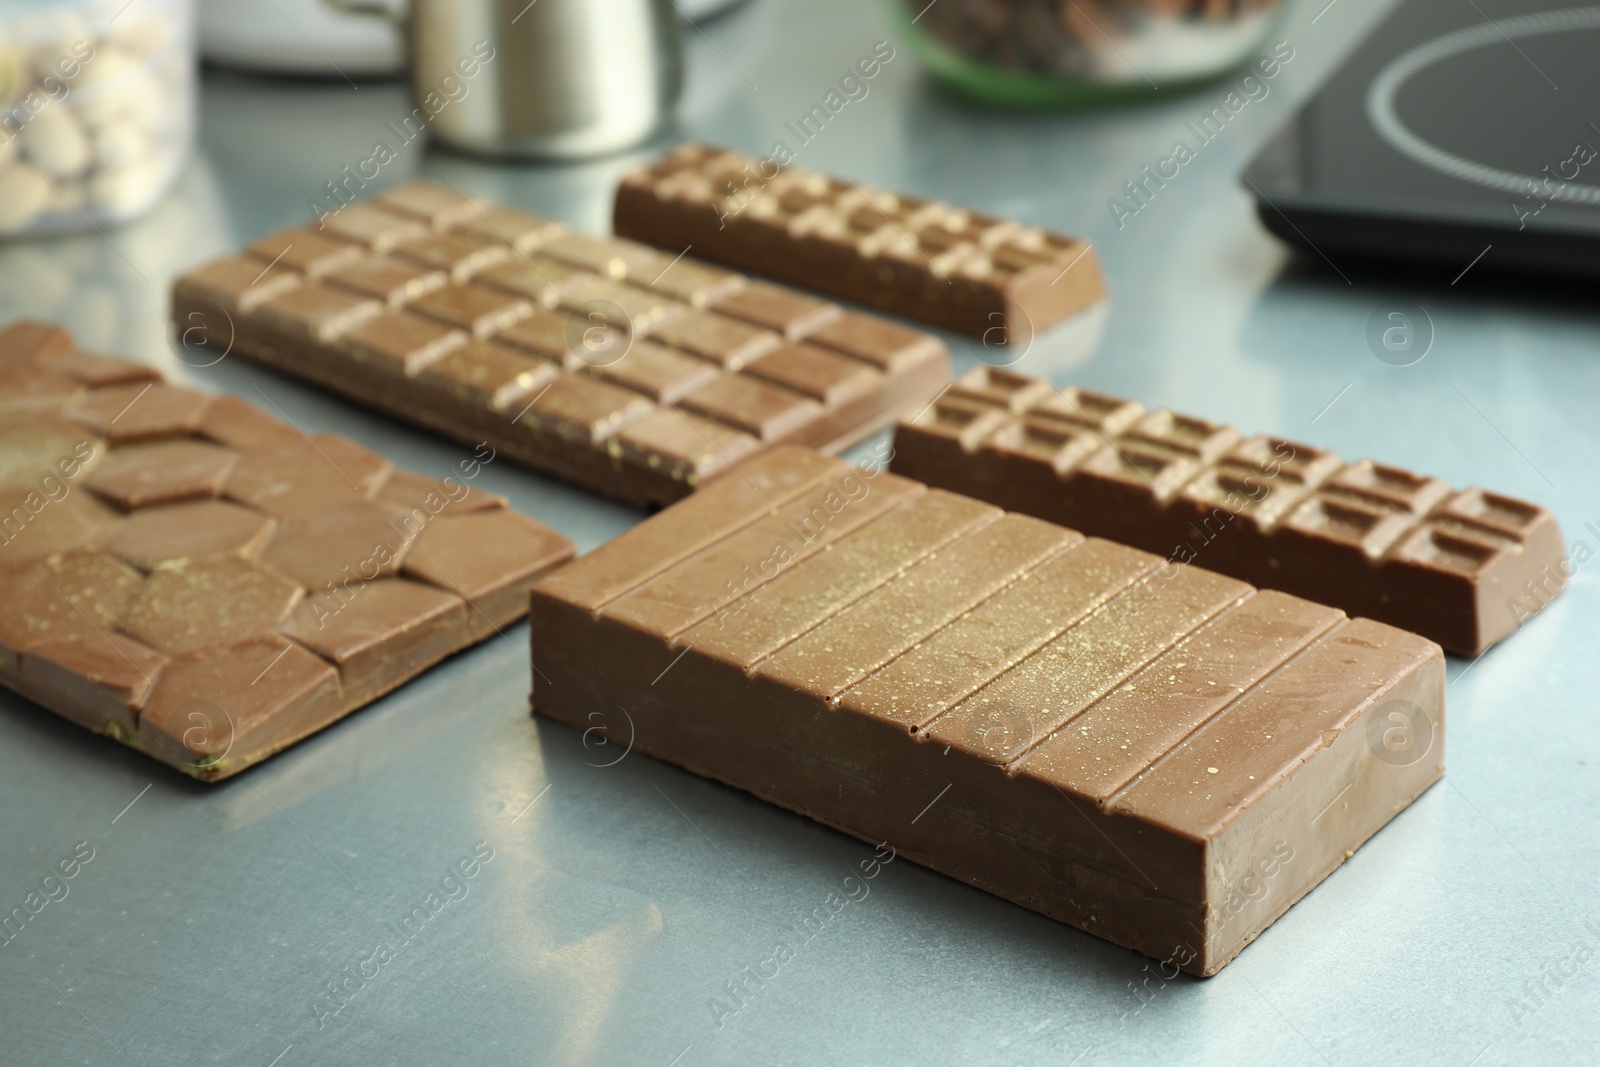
[1163, 756]
[193, 577]
[628, 370]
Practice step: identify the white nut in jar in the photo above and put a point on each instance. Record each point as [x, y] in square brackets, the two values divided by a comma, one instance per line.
[23, 192]
[56, 142]
[106, 65]
[97, 90]
[117, 143]
[129, 188]
[142, 101]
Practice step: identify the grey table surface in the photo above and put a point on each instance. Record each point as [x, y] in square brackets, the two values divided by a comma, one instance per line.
[624, 894]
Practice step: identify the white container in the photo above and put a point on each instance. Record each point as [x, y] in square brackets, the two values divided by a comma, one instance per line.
[307, 37]
[97, 101]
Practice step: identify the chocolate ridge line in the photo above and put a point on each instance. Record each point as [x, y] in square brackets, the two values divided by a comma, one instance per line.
[1034, 644]
[1314, 641]
[743, 524]
[1315, 644]
[1107, 597]
[963, 535]
[1014, 765]
[969, 606]
[1011, 583]
[861, 599]
[975, 530]
[814, 545]
[680, 639]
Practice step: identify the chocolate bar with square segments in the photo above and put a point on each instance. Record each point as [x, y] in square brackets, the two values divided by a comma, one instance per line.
[662, 373]
[928, 261]
[1464, 569]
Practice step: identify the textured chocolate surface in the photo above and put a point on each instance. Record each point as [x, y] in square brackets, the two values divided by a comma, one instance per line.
[943, 265]
[1464, 569]
[601, 361]
[1160, 755]
[190, 576]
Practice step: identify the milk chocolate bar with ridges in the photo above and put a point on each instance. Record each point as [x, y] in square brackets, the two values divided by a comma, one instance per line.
[1464, 569]
[190, 576]
[942, 265]
[601, 361]
[1157, 754]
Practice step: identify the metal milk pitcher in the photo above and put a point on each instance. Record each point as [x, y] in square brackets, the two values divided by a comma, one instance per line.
[543, 79]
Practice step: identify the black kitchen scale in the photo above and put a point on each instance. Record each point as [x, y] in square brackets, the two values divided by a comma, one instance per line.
[1460, 133]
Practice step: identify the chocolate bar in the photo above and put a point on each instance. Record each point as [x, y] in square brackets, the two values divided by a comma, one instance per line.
[1160, 755]
[1464, 569]
[190, 576]
[946, 266]
[600, 361]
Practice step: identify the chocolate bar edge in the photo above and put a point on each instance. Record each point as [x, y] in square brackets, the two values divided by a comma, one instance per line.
[1373, 789]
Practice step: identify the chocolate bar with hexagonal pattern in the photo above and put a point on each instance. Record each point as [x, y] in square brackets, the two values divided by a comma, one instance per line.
[1465, 569]
[604, 362]
[1158, 754]
[926, 260]
[199, 580]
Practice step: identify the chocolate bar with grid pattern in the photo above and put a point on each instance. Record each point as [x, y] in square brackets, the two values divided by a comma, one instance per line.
[601, 361]
[946, 266]
[1160, 755]
[195, 578]
[1465, 569]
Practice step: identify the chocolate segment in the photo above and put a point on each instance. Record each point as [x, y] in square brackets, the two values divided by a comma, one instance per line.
[942, 265]
[612, 365]
[1160, 755]
[1464, 569]
[199, 580]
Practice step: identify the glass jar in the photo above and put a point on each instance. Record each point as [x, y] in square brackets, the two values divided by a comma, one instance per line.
[1043, 53]
[96, 109]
